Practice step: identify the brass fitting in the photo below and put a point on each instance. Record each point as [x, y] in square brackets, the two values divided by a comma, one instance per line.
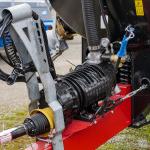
[114, 58]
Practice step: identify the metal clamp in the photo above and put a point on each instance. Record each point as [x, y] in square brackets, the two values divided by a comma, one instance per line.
[133, 93]
[130, 30]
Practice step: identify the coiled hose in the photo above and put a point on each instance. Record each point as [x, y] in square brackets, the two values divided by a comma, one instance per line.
[10, 50]
[91, 22]
[12, 55]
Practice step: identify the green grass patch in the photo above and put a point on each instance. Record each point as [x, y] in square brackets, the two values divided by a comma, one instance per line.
[130, 139]
[13, 120]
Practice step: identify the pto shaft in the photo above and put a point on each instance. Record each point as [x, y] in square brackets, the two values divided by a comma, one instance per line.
[36, 125]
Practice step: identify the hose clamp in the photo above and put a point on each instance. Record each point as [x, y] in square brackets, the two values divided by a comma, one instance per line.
[94, 48]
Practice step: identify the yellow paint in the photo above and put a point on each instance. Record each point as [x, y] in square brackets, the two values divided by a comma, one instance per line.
[48, 113]
[139, 7]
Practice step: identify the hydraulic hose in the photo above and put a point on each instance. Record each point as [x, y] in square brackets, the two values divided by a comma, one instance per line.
[3, 76]
[91, 23]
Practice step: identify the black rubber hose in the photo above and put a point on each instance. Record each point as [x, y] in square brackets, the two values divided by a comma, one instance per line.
[50, 61]
[3, 76]
[91, 22]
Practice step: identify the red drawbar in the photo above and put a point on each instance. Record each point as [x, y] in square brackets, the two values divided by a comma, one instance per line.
[80, 135]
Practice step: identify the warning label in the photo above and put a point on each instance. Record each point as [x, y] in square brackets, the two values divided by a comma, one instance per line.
[139, 7]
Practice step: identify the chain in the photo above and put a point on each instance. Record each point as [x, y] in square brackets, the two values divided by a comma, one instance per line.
[135, 92]
[130, 30]
[119, 101]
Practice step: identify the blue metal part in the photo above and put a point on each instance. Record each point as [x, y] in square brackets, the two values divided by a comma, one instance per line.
[39, 7]
[48, 23]
[123, 49]
[1, 43]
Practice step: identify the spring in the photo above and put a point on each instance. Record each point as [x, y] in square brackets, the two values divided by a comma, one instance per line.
[10, 50]
[124, 73]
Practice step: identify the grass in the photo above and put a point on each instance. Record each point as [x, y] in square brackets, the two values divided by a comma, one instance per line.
[129, 139]
[13, 120]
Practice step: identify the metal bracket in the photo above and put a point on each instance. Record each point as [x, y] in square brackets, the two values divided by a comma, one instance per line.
[28, 38]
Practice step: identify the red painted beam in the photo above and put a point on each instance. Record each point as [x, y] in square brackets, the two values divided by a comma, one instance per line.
[80, 135]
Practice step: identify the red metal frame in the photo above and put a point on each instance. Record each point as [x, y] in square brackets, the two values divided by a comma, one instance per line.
[80, 135]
